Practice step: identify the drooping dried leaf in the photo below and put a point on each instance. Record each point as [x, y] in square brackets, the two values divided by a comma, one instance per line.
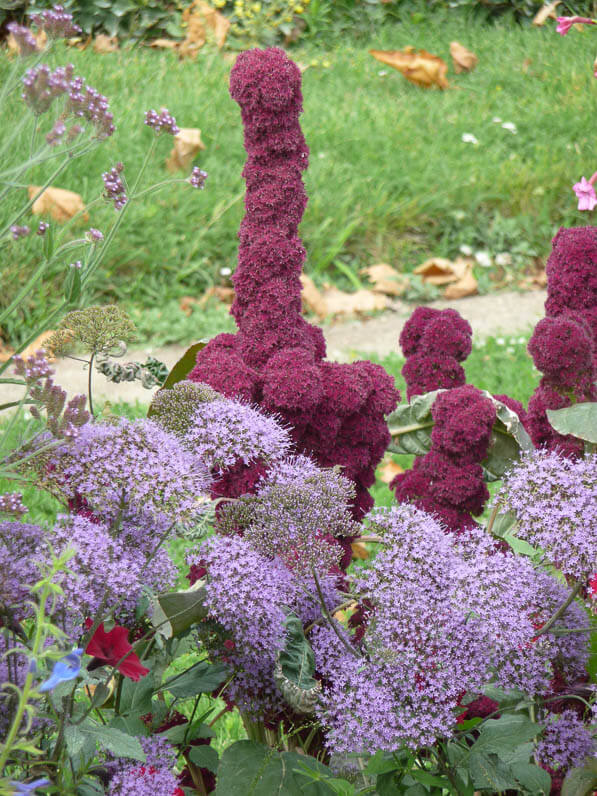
[164, 44]
[441, 271]
[187, 143]
[58, 203]
[202, 20]
[6, 351]
[219, 292]
[388, 470]
[37, 344]
[418, 66]
[359, 551]
[358, 303]
[13, 48]
[548, 11]
[312, 298]
[464, 60]
[465, 286]
[385, 279]
[105, 44]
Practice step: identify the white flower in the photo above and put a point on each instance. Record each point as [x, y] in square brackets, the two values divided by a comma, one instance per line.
[510, 126]
[383, 73]
[225, 271]
[469, 138]
[500, 341]
[496, 120]
[466, 250]
[484, 259]
[503, 258]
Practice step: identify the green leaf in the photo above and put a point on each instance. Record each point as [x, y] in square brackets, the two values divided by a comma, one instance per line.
[488, 772]
[131, 725]
[100, 694]
[182, 368]
[579, 420]
[201, 678]
[175, 612]
[504, 735]
[248, 768]
[533, 778]
[135, 697]
[504, 523]
[410, 425]
[581, 781]
[114, 740]
[72, 285]
[295, 667]
[205, 757]
[74, 738]
[429, 779]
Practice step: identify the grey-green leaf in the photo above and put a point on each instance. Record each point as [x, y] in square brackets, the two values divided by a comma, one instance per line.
[579, 420]
[205, 757]
[295, 668]
[581, 781]
[114, 740]
[201, 678]
[175, 612]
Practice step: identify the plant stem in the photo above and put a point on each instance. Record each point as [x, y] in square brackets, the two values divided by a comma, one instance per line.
[330, 619]
[561, 610]
[89, 385]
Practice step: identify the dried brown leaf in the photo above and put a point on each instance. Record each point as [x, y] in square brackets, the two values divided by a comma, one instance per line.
[105, 44]
[5, 351]
[201, 19]
[441, 271]
[388, 470]
[418, 66]
[359, 551]
[339, 303]
[219, 292]
[187, 143]
[464, 60]
[465, 286]
[37, 344]
[58, 203]
[312, 298]
[164, 44]
[548, 11]
[385, 279]
[13, 48]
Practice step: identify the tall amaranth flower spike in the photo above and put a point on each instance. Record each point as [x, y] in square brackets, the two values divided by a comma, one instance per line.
[276, 359]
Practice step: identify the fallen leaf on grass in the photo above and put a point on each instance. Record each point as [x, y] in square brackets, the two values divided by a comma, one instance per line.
[334, 302]
[548, 11]
[457, 274]
[165, 44]
[464, 60]
[418, 66]
[465, 286]
[14, 49]
[385, 279]
[187, 143]
[58, 203]
[202, 20]
[312, 298]
[105, 44]
[5, 351]
[388, 470]
[219, 292]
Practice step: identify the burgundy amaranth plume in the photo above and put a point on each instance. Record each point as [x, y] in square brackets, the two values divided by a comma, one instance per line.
[564, 344]
[276, 359]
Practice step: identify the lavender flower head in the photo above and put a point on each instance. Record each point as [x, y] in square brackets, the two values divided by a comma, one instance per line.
[114, 187]
[24, 38]
[198, 177]
[12, 503]
[161, 122]
[56, 22]
[566, 742]
[109, 569]
[155, 777]
[19, 231]
[19, 545]
[555, 501]
[136, 465]
[41, 86]
[34, 368]
[225, 431]
[42, 228]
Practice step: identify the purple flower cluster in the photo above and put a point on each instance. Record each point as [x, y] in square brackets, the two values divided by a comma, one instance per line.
[12, 503]
[87, 103]
[448, 481]
[56, 134]
[19, 545]
[336, 411]
[566, 743]
[57, 23]
[114, 189]
[63, 420]
[42, 86]
[19, 231]
[555, 501]
[434, 343]
[223, 432]
[198, 177]
[110, 569]
[161, 122]
[42, 228]
[563, 345]
[23, 37]
[155, 777]
[133, 465]
[34, 368]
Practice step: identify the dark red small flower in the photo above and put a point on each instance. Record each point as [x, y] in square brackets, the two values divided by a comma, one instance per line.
[110, 648]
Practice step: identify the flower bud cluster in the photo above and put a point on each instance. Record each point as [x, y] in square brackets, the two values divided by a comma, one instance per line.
[162, 122]
[564, 343]
[448, 481]
[56, 22]
[34, 368]
[198, 177]
[42, 86]
[173, 409]
[335, 411]
[434, 343]
[19, 232]
[63, 420]
[24, 38]
[12, 503]
[114, 187]
[42, 228]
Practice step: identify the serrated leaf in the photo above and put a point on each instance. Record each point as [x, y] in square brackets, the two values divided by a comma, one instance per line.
[135, 697]
[201, 678]
[131, 725]
[175, 612]
[74, 739]
[581, 781]
[182, 368]
[580, 420]
[502, 736]
[205, 757]
[533, 778]
[488, 772]
[114, 740]
[410, 425]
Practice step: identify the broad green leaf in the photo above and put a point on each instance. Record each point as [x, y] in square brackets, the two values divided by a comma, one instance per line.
[74, 738]
[201, 678]
[581, 781]
[411, 424]
[504, 524]
[131, 725]
[580, 420]
[295, 667]
[489, 773]
[533, 778]
[427, 778]
[114, 740]
[504, 735]
[135, 698]
[175, 612]
[183, 367]
[205, 757]
[248, 768]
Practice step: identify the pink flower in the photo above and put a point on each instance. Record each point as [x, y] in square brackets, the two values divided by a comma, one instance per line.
[565, 23]
[584, 190]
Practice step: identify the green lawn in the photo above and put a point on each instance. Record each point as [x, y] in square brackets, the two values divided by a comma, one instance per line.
[390, 177]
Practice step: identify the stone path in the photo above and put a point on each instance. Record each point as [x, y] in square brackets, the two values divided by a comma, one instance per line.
[492, 315]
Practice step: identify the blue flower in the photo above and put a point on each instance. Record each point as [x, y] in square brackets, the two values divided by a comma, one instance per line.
[65, 669]
[29, 787]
